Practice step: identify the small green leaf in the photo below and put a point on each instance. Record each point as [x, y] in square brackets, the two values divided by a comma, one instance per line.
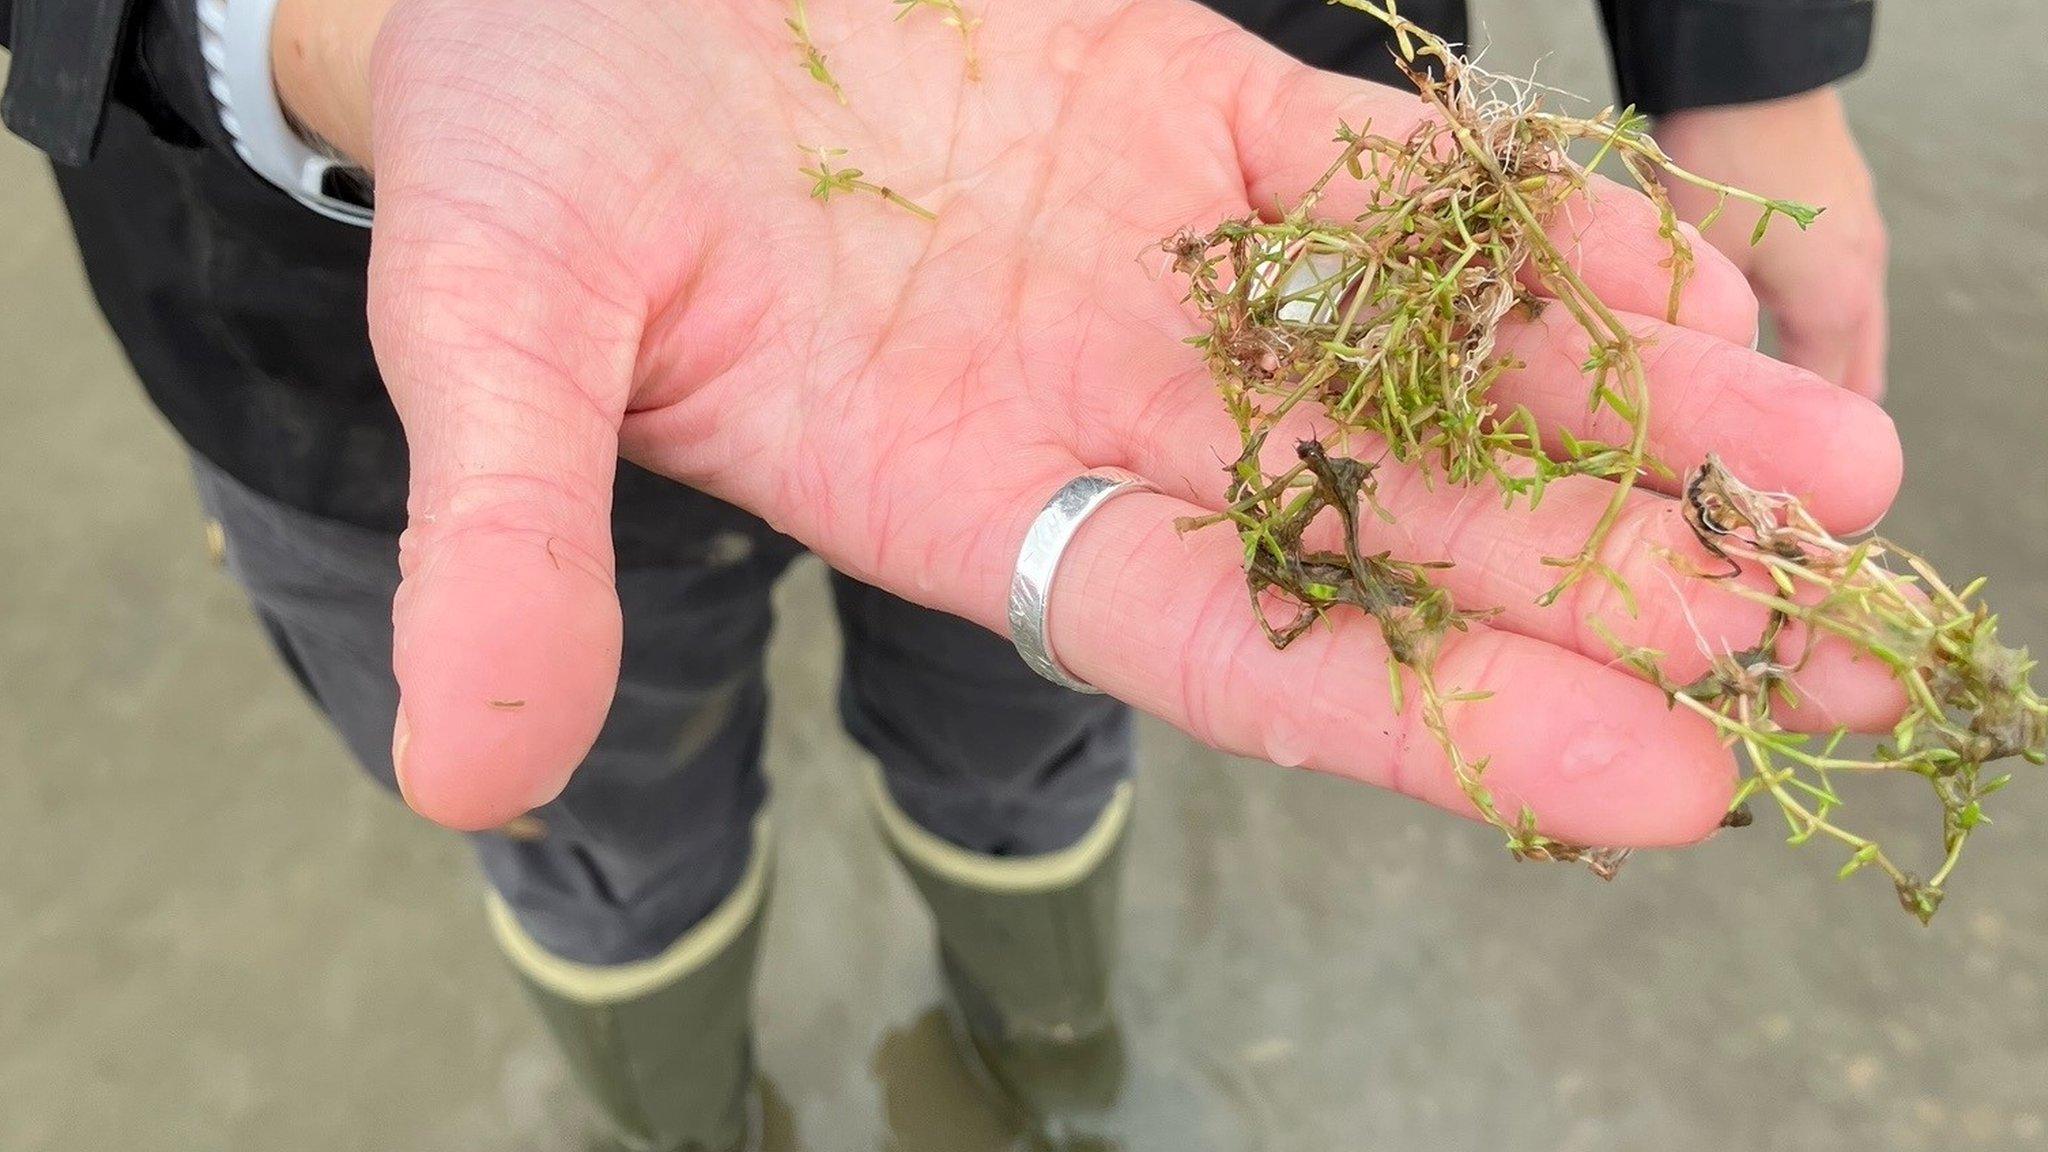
[1862, 856]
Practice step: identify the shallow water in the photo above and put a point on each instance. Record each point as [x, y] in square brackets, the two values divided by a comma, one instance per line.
[213, 936]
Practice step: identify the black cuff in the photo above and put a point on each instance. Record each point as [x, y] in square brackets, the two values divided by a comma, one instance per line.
[66, 56]
[73, 57]
[1671, 55]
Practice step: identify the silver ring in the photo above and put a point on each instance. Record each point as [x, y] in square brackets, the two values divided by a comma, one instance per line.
[1039, 561]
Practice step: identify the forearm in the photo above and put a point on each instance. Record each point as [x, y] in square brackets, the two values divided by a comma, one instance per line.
[1780, 127]
[320, 52]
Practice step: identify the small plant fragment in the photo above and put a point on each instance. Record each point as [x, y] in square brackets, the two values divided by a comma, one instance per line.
[827, 182]
[810, 59]
[953, 16]
[1386, 326]
[1970, 702]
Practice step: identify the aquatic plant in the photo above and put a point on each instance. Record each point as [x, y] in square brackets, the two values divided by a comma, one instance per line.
[1386, 324]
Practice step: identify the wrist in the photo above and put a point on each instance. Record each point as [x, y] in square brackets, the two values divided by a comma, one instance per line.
[1791, 114]
[320, 55]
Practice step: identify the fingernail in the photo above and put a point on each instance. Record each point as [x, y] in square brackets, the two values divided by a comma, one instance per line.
[401, 739]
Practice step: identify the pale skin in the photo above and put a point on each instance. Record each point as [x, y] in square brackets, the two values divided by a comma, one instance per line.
[592, 239]
[1825, 288]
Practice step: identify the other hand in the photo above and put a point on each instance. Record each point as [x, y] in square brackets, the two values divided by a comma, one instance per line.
[1824, 287]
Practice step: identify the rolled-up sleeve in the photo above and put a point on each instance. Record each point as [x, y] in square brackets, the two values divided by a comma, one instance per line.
[1676, 54]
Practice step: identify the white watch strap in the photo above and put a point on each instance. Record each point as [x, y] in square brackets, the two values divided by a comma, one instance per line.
[234, 40]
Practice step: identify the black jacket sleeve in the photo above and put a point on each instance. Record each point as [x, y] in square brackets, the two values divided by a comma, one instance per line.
[1675, 54]
[73, 58]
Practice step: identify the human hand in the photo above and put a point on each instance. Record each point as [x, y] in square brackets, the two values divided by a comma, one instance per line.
[1824, 287]
[592, 238]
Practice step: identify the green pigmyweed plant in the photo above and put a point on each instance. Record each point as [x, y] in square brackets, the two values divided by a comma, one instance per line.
[1969, 700]
[1387, 325]
[953, 16]
[809, 58]
[827, 182]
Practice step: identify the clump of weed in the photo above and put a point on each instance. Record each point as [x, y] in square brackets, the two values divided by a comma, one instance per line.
[1387, 325]
[1969, 700]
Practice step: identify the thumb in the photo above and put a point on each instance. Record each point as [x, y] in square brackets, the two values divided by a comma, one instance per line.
[511, 380]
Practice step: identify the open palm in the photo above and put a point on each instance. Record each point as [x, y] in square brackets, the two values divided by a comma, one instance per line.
[593, 238]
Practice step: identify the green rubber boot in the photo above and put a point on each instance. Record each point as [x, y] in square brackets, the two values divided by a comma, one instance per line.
[663, 1047]
[1027, 946]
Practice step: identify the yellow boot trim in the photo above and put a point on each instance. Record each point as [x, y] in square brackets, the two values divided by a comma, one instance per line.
[1010, 874]
[615, 983]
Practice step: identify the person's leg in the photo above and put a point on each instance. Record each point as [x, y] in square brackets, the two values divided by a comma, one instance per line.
[976, 748]
[1008, 802]
[628, 905]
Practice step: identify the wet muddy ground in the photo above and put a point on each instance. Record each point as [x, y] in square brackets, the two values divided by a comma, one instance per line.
[213, 935]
